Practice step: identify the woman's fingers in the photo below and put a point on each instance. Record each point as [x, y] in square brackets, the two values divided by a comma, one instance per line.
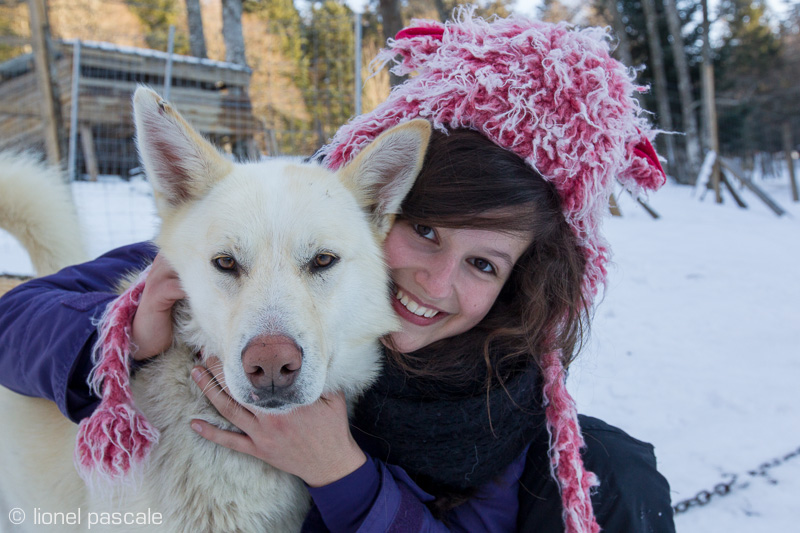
[235, 441]
[312, 442]
[211, 382]
[151, 332]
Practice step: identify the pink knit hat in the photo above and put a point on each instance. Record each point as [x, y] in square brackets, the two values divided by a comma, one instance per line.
[547, 92]
[554, 96]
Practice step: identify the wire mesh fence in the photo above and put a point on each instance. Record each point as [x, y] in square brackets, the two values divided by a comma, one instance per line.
[297, 87]
[305, 75]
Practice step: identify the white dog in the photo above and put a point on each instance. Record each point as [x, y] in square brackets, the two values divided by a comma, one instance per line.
[272, 252]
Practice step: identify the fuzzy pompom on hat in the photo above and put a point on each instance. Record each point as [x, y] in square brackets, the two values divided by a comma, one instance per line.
[553, 95]
[549, 93]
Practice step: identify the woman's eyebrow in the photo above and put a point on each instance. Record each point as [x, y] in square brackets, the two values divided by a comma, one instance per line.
[501, 255]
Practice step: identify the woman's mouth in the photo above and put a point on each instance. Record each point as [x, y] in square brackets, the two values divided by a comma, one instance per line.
[413, 306]
[413, 311]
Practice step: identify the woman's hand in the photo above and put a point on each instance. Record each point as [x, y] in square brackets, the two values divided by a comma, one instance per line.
[312, 442]
[151, 332]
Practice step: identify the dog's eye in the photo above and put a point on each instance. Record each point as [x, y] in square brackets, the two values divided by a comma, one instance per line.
[323, 260]
[225, 262]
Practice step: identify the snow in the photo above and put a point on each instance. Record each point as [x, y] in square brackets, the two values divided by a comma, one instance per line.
[694, 348]
[705, 171]
[147, 52]
[112, 213]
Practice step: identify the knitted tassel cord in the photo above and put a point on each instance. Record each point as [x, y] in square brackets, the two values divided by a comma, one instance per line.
[117, 437]
[566, 441]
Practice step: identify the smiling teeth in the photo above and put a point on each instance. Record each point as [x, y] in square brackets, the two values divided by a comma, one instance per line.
[413, 306]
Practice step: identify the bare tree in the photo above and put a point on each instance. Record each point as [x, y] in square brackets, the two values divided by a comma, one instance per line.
[709, 103]
[684, 88]
[392, 23]
[232, 31]
[660, 78]
[197, 39]
[441, 8]
[624, 44]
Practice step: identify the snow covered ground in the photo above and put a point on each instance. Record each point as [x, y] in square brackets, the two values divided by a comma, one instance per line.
[695, 348]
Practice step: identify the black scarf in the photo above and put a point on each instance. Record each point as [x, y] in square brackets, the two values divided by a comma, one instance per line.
[441, 434]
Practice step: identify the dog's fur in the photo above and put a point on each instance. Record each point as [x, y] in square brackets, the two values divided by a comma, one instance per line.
[36, 208]
[274, 218]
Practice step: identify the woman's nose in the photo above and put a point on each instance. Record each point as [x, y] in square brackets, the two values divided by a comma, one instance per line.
[437, 276]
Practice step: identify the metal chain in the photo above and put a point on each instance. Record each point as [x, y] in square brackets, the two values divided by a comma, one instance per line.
[722, 489]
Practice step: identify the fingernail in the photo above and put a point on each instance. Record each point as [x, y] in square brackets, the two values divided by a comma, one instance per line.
[196, 373]
[197, 427]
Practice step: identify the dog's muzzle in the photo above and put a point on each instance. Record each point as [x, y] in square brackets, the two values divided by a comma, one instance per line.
[272, 363]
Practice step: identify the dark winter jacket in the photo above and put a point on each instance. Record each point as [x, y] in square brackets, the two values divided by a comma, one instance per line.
[46, 334]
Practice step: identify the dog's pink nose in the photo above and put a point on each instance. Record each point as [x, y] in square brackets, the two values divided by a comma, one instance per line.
[272, 362]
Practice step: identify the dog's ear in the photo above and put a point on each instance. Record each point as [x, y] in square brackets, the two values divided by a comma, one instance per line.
[382, 173]
[180, 164]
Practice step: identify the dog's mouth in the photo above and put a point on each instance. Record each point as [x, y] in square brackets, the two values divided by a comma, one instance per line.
[272, 402]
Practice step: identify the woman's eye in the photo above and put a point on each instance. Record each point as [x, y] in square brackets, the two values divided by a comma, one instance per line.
[483, 265]
[225, 262]
[425, 232]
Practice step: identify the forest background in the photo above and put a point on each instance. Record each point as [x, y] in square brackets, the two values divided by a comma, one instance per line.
[301, 54]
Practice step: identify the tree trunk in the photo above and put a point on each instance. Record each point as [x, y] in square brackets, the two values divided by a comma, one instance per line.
[232, 31]
[444, 13]
[197, 39]
[623, 50]
[660, 78]
[709, 103]
[392, 23]
[47, 76]
[685, 89]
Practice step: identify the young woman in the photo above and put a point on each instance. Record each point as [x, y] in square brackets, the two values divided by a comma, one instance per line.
[495, 262]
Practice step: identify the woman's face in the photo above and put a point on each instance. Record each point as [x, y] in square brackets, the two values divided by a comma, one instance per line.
[446, 280]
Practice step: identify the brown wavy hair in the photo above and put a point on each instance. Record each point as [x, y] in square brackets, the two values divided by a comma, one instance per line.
[467, 181]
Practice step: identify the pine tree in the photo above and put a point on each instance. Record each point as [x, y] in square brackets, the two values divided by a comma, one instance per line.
[156, 17]
[749, 102]
[692, 138]
[330, 53]
[197, 39]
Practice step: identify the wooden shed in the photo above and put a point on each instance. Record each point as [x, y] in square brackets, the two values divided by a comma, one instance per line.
[212, 95]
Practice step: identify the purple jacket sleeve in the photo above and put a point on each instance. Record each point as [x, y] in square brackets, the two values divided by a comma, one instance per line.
[47, 328]
[380, 497]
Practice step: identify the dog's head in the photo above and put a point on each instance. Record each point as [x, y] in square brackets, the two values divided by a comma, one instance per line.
[281, 261]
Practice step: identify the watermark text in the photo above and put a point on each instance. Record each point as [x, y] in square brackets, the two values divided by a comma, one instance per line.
[80, 517]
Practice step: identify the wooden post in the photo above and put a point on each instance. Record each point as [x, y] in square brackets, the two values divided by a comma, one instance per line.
[650, 211]
[89, 157]
[709, 104]
[358, 88]
[728, 185]
[43, 59]
[613, 206]
[168, 68]
[72, 154]
[764, 197]
[788, 149]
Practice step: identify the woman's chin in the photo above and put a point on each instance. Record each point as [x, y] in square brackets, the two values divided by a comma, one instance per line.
[403, 343]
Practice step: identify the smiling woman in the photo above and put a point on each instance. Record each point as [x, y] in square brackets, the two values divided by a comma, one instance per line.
[487, 279]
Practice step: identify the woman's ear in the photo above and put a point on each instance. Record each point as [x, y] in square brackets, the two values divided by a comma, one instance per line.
[382, 174]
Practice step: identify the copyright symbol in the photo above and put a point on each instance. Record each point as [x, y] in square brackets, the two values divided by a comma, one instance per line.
[16, 515]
